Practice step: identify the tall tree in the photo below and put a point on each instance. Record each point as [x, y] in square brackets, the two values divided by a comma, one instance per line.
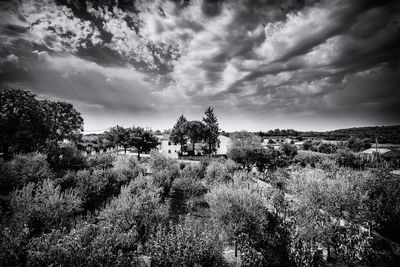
[195, 130]
[27, 124]
[118, 136]
[62, 120]
[178, 136]
[142, 140]
[211, 131]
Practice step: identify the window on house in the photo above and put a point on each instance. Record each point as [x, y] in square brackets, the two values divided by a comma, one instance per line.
[169, 143]
[169, 151]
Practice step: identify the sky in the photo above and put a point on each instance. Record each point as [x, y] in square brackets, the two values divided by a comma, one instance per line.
[261, 64]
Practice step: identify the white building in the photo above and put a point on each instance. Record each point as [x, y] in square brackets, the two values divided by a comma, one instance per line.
[171, 150]
[168, 148]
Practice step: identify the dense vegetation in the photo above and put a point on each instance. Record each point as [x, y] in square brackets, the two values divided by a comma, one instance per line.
[259, 207]
[384, 134]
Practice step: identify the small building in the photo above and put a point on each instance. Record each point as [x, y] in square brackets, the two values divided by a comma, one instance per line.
[224, 144]
[167, 147]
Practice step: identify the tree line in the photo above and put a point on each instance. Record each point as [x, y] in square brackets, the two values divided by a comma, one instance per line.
[206, 131]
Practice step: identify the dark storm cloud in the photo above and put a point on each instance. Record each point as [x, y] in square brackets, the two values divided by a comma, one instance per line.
[283, 57]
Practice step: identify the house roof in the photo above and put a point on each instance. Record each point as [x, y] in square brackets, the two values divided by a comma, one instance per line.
[372, 150]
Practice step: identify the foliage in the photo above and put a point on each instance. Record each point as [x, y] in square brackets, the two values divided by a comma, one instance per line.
[88, 245]
[13, 247]
[102, 161]
[289, 151]
[159, 162]
[219, 171]
[238, 209]
[308, 158]
[27, 123]
[346, 158]
[178, 135]
[189, 243]
[212, 131]
[136, 207]
[22, 125]
[195, 131]
[62, 120]
[22, 169]
[43, 207]
[356, 144]
[142, 140]
[64, 157]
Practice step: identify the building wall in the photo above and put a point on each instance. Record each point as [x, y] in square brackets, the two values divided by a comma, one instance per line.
[169, 149]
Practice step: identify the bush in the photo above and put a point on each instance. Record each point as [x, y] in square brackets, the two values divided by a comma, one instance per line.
[102, 161]
[186, 244]
[64, 157]
[128, 166]
[43, 207]
[237, 208]
[96, 187]
[22, 169]
[137, 206]
[88, 245]
[13, 247]
[308, 158]
[159, 162]
[219, 171]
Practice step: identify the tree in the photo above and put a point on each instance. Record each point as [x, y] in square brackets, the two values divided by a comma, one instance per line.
[244, 144]
[62, 120]
[177, 135]
[22, 128]
[27, 124]
[119, 136]
[212, 130]
[195, 130]
[142, 140]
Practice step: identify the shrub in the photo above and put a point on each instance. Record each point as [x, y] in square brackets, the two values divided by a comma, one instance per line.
[128, 166]
[22, 169]
[13, 247]
[218, 171]
[137, 206]
[308, 158]
[88, 245]
[96, 187]
[159, 162]
[64, 157]
[237, 208]
[102, 161]
[188, 243]
[43, 207]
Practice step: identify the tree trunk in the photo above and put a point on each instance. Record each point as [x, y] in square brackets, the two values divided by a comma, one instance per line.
[138, 155]
[125, 149]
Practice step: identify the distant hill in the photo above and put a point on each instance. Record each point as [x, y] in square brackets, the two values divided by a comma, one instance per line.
[385, 134]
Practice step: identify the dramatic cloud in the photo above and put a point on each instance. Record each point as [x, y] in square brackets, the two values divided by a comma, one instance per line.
[261, 64]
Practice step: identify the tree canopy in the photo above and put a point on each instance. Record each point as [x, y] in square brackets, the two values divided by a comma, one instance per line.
[27, 124]
[211, 131]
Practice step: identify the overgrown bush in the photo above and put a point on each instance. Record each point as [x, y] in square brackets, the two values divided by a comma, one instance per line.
[189, 243]
[64, 157]
[43, 207]
[23, 168]
[96, 187]
[137, 206]
[219, 171]
[129, 166]
[308, 158]
[88, 245]
[159, 162]
[102, 161]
